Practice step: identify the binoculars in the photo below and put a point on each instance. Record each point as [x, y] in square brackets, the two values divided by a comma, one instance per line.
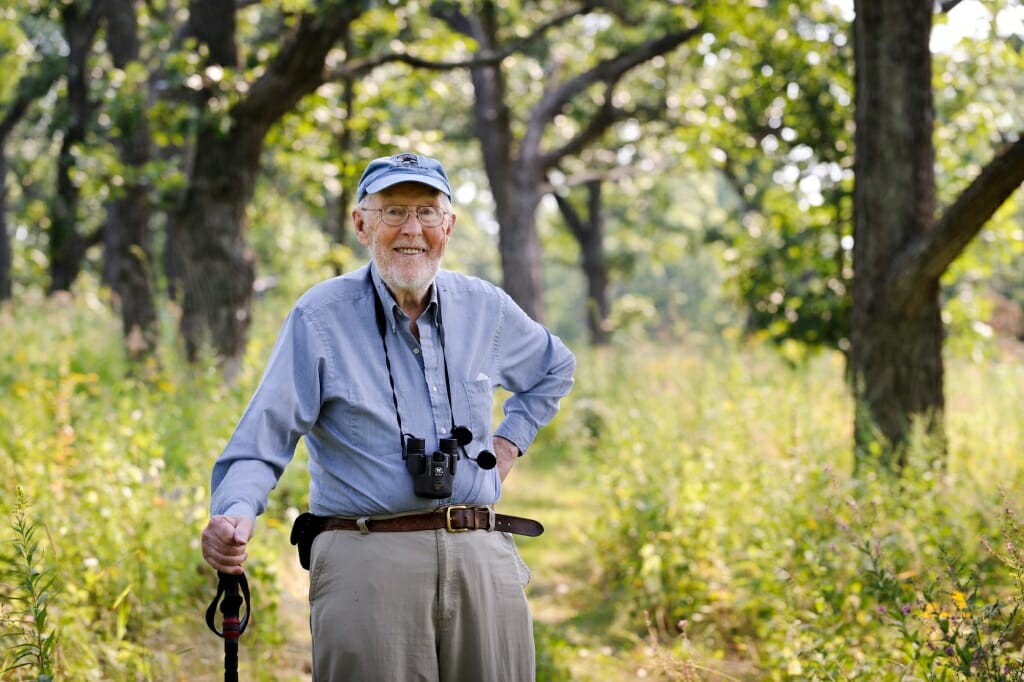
[432, 475]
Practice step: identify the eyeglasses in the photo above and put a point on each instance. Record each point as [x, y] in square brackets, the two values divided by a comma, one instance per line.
[396, 214]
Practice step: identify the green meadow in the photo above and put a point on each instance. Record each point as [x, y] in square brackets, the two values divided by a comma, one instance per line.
[703, 518]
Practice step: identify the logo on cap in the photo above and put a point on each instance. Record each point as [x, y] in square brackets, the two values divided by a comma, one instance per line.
[407, 160]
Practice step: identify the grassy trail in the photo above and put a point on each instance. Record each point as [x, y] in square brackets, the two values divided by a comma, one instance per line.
[581, 632]
[590, 639]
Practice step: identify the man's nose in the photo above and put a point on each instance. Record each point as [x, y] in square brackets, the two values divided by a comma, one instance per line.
[412, 218]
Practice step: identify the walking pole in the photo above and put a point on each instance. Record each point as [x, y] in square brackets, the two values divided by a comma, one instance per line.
[235, 590]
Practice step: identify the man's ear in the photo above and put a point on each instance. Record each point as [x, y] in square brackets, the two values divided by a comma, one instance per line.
[360, 225]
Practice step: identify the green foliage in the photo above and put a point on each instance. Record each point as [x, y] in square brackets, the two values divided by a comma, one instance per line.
[123, 465]
[947, 630]
[724, 510]
[741, 137]
[551, 652]
[727, 534]
[773, 114]
[25, 633]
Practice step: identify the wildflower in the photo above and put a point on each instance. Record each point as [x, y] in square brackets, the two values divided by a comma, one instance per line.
[933, 612]
[959, 599]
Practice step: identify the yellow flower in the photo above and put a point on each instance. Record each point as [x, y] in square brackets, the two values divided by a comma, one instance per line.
[931, 611]
[960, 600]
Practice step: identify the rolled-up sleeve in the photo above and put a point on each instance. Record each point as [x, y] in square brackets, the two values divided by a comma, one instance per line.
[536, 368]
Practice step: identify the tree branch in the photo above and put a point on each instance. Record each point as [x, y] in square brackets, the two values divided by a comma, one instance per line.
[458, 21]
[728, 170]
[607, 174]
[606, 117]
[608, 71]
[928, 257]
[30, 87]
[359, 67]
[298, 68]
[603, 119]
[572, 217]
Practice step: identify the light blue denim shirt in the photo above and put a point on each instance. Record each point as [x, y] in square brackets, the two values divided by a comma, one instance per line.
[327, 381]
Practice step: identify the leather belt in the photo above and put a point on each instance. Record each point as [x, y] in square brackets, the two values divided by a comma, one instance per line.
[454, 519]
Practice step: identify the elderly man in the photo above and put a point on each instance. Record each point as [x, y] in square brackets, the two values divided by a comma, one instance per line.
[389, 373]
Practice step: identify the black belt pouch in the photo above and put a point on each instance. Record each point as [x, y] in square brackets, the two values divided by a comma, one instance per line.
[305, 529]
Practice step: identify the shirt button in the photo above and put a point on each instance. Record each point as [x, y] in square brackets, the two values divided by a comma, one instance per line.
[415, 351]
[434, 389]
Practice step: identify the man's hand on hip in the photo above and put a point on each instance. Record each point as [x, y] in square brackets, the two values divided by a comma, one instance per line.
[225, 539]
[507, 453]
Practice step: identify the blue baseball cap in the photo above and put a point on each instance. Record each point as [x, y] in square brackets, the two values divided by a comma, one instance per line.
[390, 170]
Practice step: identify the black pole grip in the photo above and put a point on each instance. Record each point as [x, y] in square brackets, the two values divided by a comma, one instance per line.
[232, 592]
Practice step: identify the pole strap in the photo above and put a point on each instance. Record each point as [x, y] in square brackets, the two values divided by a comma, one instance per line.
[234, 591]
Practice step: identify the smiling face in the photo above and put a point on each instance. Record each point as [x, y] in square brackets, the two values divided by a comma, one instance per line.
[408, 256]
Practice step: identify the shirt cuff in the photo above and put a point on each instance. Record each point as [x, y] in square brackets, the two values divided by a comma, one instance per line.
[518, 431]
[239, 509]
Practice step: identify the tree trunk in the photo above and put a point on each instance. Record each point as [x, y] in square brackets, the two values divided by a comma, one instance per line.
[129, 256]
[66, 244]
[589, 234]
[595, 268]
[514, 183]
[896, 354]
[339, 219]
[5, 237]
[217, 265]
[901, 248]
[519, 243]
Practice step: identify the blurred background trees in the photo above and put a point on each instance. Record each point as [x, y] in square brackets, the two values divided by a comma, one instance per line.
[625, 169]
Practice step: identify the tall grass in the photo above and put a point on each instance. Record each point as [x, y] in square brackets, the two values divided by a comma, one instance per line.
[726, 513]
[729, 538]
[117, 468]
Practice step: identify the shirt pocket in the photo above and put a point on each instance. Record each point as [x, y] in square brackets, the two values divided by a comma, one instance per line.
[371, 424]
[477, 399]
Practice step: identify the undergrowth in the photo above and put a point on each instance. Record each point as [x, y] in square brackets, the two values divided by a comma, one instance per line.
[728, 540]
[726, 506]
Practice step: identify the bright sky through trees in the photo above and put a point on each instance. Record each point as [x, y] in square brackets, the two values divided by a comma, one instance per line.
[969, 18]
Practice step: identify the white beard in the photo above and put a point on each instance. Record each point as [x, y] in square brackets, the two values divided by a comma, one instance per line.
[401, 273]
[416, 279]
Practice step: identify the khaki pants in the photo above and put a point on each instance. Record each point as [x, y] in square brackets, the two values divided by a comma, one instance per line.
[430, 606]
